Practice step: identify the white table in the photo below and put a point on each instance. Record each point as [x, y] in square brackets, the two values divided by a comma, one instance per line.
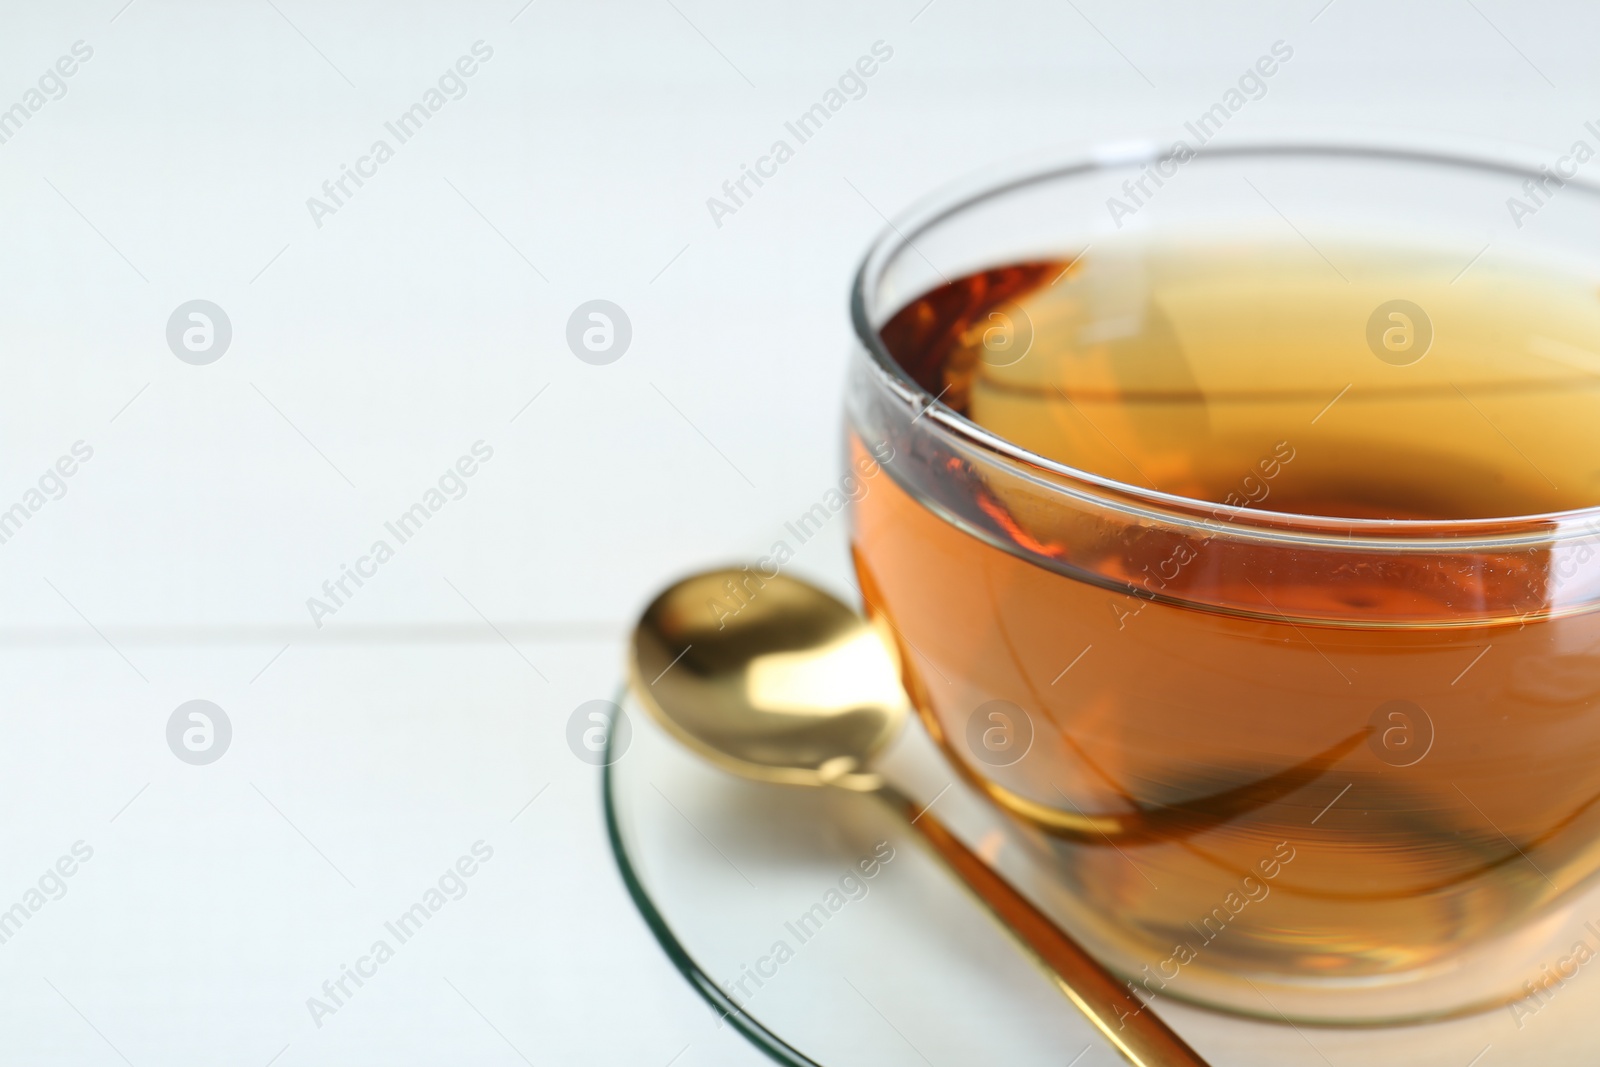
[373, 346]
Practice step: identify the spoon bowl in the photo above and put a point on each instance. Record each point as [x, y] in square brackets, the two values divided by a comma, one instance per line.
[770, 678]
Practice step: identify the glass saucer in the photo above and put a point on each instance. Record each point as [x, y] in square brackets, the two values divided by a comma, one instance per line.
[815, 923]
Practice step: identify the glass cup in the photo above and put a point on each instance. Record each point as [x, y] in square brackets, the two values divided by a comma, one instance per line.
[1340, 769]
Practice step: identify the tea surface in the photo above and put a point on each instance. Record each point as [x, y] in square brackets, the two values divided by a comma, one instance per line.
[1417, 391]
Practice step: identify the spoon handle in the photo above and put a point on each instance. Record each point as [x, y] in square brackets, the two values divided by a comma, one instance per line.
[1127, 1022]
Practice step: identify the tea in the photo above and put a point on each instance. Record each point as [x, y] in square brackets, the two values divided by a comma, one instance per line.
[1408, 741]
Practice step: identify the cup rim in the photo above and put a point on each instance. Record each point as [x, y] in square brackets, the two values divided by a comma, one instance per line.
[977, 187]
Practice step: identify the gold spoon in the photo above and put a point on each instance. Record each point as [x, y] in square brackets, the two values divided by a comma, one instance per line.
[794, 687]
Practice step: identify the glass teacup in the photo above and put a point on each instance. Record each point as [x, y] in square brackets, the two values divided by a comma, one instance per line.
[1240, 542]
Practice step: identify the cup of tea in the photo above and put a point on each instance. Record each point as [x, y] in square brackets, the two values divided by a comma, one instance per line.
[1241, 541]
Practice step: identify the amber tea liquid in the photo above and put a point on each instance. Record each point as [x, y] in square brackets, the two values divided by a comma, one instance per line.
[1277, 766]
